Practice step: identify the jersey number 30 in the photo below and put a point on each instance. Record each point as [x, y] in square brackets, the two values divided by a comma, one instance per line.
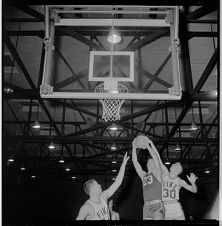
[169, 193]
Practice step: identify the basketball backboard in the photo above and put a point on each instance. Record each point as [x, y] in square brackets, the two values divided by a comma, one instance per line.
[146, 61]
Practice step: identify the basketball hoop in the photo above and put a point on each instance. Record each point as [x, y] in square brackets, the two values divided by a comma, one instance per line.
[111, 107]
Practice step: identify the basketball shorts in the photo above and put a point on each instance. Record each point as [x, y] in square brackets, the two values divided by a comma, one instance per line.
[174, 211]
[151, 208]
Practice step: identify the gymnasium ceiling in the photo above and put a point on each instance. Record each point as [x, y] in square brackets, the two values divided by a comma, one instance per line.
[75, 126]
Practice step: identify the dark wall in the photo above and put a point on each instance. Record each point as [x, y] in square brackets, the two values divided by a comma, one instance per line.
[50, 200]
[43, 200]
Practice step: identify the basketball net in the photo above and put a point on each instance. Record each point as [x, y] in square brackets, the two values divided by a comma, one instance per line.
[111, 107]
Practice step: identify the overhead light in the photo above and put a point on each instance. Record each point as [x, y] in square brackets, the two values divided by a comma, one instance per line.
[113, 147]
[114, 162]
[114, 37]
[51, 146]
[11, 159]
[8, 89]
[67, 169]
[61, 160]
[22, 168]
[33, 176]
[113, 127]
[178, 148]
[36, 125]
[73, 177]
[113, 178]
[214, 93]
[193, 126]
[167, 162]
[207, 171]
[114, 170]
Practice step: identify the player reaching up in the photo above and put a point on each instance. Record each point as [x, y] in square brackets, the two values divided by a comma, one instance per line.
[151, 181]
[171, 185]
[95, 208]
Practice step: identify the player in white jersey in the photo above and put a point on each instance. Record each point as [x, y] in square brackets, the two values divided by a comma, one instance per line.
[95, 208]
[171, 185]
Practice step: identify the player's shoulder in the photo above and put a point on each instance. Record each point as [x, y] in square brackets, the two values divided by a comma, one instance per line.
[87, 206]
[86, 210]
[181, 182]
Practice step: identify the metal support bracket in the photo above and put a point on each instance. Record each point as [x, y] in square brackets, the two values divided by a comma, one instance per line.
[54, 16]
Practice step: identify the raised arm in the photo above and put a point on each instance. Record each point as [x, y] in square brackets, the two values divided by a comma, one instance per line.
[164, 169]
[193, 187]
[136, 164]
[109, 192]
[156, 161]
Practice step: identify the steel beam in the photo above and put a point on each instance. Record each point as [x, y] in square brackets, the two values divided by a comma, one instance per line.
[108, 140]
[157, 72]
[147, 40]
[29, 79]
[208, 69]
[185, 55]
[160, 81]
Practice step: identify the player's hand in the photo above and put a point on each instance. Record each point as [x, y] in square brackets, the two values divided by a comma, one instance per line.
[192, 178]
[125, 159]
[149, 142]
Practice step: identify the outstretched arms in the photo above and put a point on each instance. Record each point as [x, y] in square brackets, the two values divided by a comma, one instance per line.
[156, 160]
[136, 164]
[162, 166]
[109, 192]
[192, 178]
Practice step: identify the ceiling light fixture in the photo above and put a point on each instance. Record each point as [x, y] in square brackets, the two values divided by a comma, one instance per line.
[22, 168]
[114, 37]
[167, 162]
[67, 169]
[114, 170]
[73, 177]
[113, 127]
[51, 146]
[114, 162]
[36, 125]
[193, 126]
[8, 89]
[61, 160]
[11, 159]
[178, 148]
[113, 147]
[207, 171]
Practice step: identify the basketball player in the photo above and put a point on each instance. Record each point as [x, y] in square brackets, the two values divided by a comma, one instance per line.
[95, 208]
[151, 182]
[113, 214]
[171, 185]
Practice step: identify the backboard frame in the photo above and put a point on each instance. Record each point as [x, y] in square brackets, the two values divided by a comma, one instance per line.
[52, 20]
